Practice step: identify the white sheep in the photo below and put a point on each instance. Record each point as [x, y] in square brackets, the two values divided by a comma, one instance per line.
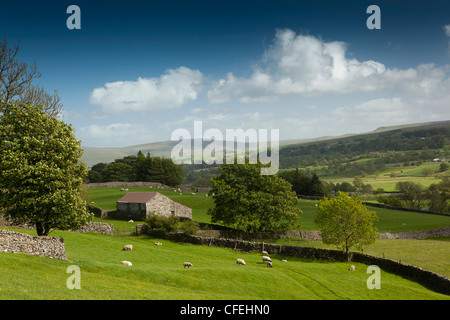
[352, 268]
[187, 264]
[193, 193]
[128, 247]
[264, 252]
[283, 260]
[269, 264]
[240, 261]
[130, 221]
[266, 258]
[127, 263]
[158, 243]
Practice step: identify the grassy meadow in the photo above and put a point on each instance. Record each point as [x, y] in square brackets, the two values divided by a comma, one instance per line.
[157, 272]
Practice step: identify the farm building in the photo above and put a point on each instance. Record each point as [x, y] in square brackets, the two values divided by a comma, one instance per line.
[138, 205]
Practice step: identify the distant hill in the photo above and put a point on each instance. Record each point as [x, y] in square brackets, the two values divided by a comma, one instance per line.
[414, 137]
[93, 156]
[290, 149]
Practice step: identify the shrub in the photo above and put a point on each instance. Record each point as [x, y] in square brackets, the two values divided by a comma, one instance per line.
[390, 201]
[169, 224]
[190, 227]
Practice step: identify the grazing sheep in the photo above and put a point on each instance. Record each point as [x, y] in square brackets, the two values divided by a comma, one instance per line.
[158, 244]
[187, 264]
[264, 252]
[352, 268]
[193, 193]
[269, 264]
[266, 258]
[127, 263]
[240, 261]
[130, 221]
[283, 260]
[128, 247]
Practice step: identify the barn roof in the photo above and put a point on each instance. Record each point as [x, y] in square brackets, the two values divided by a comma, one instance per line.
[137, 197]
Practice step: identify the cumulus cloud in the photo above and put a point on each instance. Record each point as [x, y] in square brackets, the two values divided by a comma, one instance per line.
[169, 91]
[447, 33]
[115, 134]
[307, 65]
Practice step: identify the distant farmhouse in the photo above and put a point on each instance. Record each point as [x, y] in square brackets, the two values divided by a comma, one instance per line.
[138, 205]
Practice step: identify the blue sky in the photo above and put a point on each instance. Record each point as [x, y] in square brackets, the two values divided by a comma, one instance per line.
[138, 70]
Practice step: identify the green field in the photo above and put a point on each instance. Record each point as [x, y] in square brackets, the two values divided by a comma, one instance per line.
[158, 273]
[388, 177]
[390, 220]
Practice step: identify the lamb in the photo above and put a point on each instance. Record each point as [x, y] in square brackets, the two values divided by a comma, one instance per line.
[266, 258]
[158, 243]
[187, 264]
[128, 247]
[127, 263]
[269, 264]
[240, 261]
[352, 268]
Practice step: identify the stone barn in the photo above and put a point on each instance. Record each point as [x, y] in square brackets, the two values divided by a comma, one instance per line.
[138, 205]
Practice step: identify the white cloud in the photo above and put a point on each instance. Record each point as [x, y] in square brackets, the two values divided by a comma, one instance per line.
[447, 33]
[115, 134]
[169, 91]
[447, 30]
[306, 65]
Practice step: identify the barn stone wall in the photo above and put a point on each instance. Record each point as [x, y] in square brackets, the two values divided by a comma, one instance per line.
[162, 205]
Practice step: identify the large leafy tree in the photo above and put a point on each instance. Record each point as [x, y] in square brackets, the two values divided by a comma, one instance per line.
[250, 202]
[346, 222]
[41, 178]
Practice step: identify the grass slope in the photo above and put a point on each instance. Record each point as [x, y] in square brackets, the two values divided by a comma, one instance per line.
[158, 273]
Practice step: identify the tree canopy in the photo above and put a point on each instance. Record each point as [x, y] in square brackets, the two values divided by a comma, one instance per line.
[41, 177]
[303, 184]
[138, 168]
[346, 222]
[250, 202]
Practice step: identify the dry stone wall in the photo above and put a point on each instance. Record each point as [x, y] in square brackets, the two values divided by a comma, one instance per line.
[47, 247]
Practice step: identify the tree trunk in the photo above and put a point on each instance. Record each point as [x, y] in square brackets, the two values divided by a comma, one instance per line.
[349, 258]
[41, 229]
